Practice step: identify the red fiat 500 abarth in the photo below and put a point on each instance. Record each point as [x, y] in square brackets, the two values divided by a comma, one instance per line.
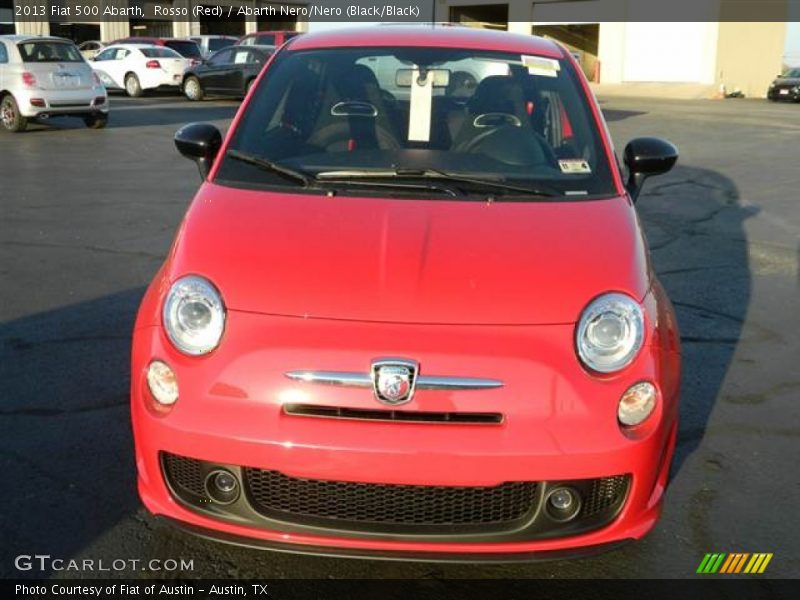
[410, 312]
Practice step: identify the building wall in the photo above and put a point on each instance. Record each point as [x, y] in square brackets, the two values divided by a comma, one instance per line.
[749, 56]
[658, 52]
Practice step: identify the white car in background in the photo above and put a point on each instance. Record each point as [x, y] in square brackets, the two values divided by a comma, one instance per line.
[139, 67]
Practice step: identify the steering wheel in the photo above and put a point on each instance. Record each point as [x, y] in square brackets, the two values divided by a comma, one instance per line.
[511, 145]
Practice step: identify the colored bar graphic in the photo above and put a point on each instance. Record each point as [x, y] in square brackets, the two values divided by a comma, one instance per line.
[765, 563]
[703, 563]
[752, 566]
[734, 563]
[741, 562]
[715, 567]
[727, 564]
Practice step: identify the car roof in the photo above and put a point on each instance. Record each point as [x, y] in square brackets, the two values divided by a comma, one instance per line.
[427, 35]
[16, 39]
[132, 46]
[271, 31]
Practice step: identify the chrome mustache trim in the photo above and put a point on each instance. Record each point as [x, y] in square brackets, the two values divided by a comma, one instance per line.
[363, 380]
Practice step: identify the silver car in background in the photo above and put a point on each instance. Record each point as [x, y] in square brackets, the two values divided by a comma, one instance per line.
[42, 77]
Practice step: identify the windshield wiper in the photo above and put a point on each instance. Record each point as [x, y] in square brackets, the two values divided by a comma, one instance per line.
[347, 178]
[267, 165]
[437, 174]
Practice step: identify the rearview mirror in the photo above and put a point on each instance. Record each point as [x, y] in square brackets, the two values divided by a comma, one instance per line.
[199, 142]
[405, 77]
[645, 157]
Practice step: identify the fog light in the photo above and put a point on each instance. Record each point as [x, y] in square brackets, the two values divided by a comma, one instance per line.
[637, 403]
[563, 504]
[163, 383]
[222, 486]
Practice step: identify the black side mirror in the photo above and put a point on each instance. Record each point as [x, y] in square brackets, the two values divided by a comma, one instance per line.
[199, 142]
[645, 157]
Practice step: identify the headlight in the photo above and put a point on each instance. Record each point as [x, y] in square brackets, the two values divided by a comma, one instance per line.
[610, 332]
[194, 315]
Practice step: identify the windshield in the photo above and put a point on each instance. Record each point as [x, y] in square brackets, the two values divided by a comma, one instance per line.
[215, 44]
[793, 73]
[49, 52]
[185, 48]
[159, 52]
[373, 114]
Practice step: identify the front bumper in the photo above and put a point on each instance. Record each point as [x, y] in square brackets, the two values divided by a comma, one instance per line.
[786, 94]
[559, 424]
[62, 102]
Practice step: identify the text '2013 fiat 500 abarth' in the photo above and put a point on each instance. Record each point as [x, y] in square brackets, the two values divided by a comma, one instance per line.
[411, 311]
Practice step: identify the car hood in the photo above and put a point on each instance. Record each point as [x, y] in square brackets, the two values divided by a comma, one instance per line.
[786, 81]
[413, 261]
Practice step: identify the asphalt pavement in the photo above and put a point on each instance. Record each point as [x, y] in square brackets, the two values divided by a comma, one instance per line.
[86, 217]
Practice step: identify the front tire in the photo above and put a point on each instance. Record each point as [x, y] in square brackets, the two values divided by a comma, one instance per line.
[132, 85]
[10, 117]
[193, 90]
[96, 121]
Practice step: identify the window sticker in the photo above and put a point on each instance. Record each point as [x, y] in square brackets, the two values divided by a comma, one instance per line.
[538, 65]
[419, 117]
[574, 166]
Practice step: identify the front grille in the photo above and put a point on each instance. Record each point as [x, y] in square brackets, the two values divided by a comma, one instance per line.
[404, 416]
[186, 474]
[279, 496]
[511, 511]
[604, 494]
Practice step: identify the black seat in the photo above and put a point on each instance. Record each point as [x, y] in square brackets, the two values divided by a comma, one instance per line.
[355, 112]
[499, 101]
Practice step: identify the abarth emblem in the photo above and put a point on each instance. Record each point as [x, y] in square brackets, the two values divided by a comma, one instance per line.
[393, 380]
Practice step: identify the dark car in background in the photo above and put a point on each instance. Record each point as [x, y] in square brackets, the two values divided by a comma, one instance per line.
[186, 48]
[229, 72]
[268, 38]
[212, 43]
[785, 87]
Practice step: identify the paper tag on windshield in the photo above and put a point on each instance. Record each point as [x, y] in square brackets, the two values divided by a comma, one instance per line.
[419, 117]
[538, 65]
[574, 165]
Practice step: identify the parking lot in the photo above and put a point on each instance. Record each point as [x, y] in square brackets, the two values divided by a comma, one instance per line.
[87, 216]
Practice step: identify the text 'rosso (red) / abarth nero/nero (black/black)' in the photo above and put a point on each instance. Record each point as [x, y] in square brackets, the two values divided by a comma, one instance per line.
[410, 312]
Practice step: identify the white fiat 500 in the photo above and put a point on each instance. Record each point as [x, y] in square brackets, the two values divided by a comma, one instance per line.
[42, 77]
[139, 67]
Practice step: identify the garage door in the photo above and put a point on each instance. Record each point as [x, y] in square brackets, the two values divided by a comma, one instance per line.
[666, 52]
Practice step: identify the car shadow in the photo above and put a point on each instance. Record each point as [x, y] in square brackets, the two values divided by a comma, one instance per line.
[694, 222]
[65, 435]
[615, 114]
